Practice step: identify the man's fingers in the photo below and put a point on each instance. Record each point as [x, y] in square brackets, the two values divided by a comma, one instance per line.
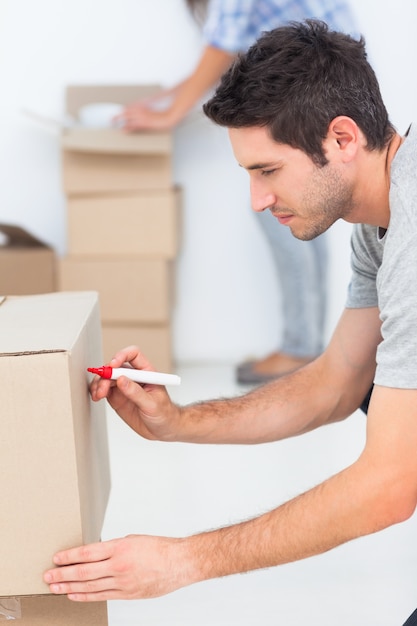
[83, 587]
[85, 554]
[132, 355]
[78, 572]
[99, 596]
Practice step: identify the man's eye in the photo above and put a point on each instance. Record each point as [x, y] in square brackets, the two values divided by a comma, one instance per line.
[268, 172]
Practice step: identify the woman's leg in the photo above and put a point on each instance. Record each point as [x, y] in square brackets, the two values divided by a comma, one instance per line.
[301, 270]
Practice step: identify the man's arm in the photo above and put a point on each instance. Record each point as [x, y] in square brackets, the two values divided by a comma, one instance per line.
[212, 64]
[378, 490]
[328, 389]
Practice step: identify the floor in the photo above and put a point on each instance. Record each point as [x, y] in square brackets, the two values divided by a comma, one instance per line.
[179, 489]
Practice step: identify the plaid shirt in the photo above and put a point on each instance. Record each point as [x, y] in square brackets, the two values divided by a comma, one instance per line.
[233, 25]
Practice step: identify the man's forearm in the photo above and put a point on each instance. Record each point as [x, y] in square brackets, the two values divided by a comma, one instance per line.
[347, 506]
[328, 389]
[269, 413]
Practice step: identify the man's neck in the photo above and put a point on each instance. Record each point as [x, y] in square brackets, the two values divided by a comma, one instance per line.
[374, 194]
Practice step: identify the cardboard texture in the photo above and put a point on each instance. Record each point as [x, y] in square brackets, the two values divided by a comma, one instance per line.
[85, 173]
[59, 611]
[99, 160]
[115, 141]
[27, 265]
[135, 290]
[153, 341]
[123, 222]
[54, 469]
[145, 224]
[111, 139]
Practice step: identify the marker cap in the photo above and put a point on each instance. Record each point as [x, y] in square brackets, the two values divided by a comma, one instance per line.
[104, 372]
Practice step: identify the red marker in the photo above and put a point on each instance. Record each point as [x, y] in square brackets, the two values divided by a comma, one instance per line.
[139, 376]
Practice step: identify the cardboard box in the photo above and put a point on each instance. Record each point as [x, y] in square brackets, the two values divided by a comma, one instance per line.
[145, 224]
[115, 141]
[133, 290]
[101, 160]
[77, 96]
[85, 173]
[54, 469]
[27, 265]
[111, 140]
[59, 611]
[153, 341]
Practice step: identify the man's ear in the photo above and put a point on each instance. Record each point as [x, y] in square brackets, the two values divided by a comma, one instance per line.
[343, 137]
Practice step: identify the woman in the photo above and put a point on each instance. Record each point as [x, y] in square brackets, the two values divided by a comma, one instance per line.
[229, 27]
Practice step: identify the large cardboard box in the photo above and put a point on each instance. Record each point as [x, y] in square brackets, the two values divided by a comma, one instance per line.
[27, 265]
[153, 341]
[103, 160]
[59, 611]
[133, 290]
[54, 469]
[145, 224]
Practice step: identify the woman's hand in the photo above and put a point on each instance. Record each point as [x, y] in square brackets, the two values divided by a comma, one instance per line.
[140, 116]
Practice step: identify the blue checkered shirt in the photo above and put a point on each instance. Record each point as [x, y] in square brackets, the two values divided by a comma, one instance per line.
[234, 25]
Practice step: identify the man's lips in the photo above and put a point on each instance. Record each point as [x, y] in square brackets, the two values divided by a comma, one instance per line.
[283, 218]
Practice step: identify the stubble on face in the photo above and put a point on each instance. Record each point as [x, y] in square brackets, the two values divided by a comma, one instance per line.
[326, 199]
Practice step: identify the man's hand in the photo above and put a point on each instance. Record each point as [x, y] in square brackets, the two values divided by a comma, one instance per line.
[146, 408]
[136, 566]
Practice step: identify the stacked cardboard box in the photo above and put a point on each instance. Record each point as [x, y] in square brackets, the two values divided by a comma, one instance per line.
[27, 264]
[54, 467]
[123, 225]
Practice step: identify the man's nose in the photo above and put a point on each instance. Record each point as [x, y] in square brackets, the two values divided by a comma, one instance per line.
[261, 198]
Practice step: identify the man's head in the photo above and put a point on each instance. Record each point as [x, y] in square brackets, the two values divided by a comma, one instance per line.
[294, 81]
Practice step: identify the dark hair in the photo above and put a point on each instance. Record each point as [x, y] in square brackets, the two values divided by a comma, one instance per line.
[198, 9]
[294, 80]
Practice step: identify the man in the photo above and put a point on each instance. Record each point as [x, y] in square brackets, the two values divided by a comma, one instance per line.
[307, 122]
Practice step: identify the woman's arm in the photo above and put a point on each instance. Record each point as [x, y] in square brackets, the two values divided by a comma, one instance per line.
[142, 115]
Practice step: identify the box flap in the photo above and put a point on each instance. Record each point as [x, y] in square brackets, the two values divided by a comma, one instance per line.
[53, 325]
[16, 237]
[78, 96]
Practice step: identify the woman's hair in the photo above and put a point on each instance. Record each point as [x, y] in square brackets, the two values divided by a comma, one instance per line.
[198, 9]
[294, 80]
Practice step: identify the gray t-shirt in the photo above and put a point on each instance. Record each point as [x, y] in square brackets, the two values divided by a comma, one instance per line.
[384, 266]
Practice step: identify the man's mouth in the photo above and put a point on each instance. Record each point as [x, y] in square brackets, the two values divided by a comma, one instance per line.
[283, 218]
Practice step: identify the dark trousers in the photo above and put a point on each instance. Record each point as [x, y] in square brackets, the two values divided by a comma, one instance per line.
[365, 403]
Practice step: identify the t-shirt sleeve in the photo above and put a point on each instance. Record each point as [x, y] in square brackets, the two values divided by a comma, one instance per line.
[397, 353]
[384, 274]
[366, 256]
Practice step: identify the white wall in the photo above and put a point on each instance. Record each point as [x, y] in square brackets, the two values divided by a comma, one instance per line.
[227, 298]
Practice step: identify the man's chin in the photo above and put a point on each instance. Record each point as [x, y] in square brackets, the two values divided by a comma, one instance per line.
[305, 235]
[299, 234]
